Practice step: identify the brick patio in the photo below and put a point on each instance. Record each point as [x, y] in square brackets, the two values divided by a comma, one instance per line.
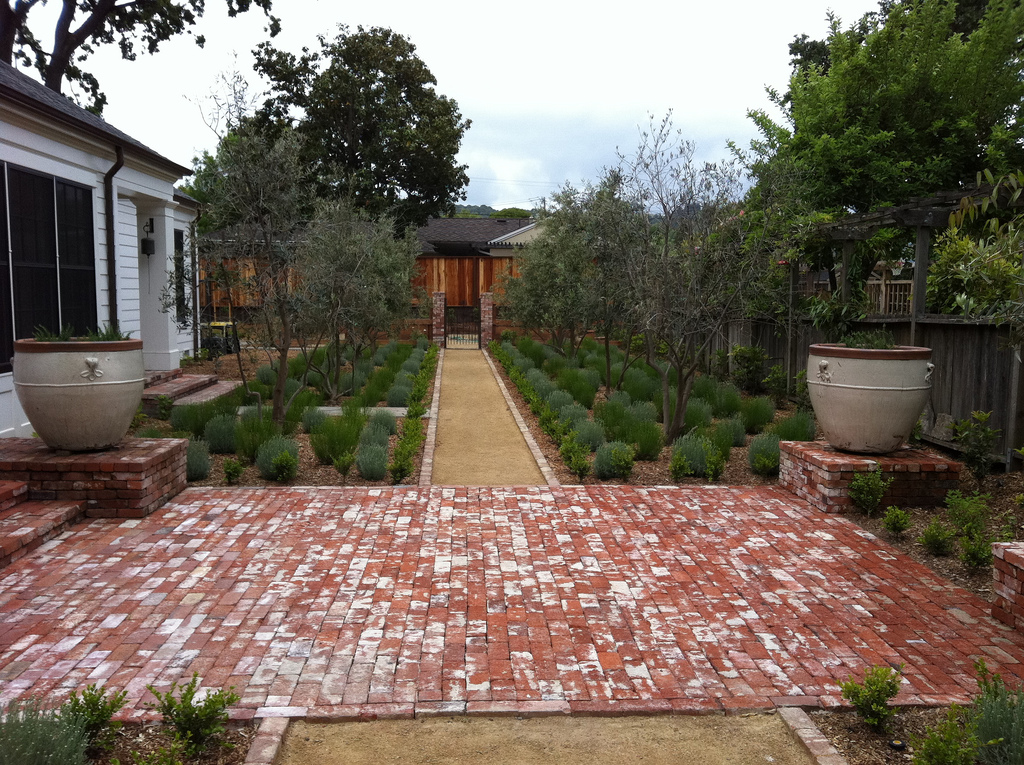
[342, 603]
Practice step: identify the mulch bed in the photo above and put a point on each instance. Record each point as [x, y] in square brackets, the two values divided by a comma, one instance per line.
[135, 742]
[861, 745]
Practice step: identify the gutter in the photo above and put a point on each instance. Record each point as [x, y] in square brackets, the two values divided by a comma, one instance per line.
[108, 194]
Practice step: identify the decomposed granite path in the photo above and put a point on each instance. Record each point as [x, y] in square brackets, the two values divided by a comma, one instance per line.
[478, 440]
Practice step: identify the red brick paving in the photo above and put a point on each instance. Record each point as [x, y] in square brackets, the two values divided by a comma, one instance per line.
[337, 603]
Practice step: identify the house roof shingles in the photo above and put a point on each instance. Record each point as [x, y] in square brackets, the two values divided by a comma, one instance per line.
[448, 236]
[21, 89]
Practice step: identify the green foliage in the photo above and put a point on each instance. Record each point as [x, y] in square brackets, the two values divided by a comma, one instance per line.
[372, 461]
[575, 382]
[967, 276]
[164, 407]
[406, 449]
[876, 339]
[867, 489]
[735, 427]
[976, 441]
[689, 456]
[374, 435]
[343, 463]
[233, 470]
[251, 434]
[195, 722]
[270, 462]
[406, 165]
[967, 513]
[796, 427]
[699, 414]
[775, 384]
[558, 399]
[312, 419]
[575, 453]
[614, 460]
[151, 432]
[938, 538]
[384, 419]
[43, 334]
[832, 316]
[572, 414]
[30, 734]
[763, 454]
[897, 114]
[95, 710]
[896, 520]
[197, 460]
[803, 394]
[756, 413]
[338, 435]
[870, 699]
[705, 388]
[998, 715]
[398, 394]
[193, 417]
[728, 400]
[976, 550]
[648, 439]
[220, 434]
[590, 433]
[267, 375]
[949, 742]
[748, 367]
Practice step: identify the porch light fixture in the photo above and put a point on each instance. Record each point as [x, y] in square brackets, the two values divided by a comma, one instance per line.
[148, 245]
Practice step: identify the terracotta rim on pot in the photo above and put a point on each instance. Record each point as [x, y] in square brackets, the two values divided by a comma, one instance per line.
[838, 350]
[71, 346]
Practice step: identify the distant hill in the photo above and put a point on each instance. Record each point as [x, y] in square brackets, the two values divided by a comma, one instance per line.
[486, 211]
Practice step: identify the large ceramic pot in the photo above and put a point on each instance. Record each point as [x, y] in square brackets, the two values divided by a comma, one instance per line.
[79, 396]
[868, 400]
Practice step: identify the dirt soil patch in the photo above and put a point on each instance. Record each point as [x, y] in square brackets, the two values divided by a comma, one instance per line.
[862, 746]
[714, 740]
[143, 743]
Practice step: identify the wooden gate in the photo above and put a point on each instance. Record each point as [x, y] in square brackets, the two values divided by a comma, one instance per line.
[462, 326]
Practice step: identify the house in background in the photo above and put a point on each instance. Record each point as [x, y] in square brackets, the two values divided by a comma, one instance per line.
[90, 229]
[463, 257]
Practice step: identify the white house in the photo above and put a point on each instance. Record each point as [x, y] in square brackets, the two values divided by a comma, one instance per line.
[78, 196]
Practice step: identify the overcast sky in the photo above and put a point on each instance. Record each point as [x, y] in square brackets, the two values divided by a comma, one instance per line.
[553, 88]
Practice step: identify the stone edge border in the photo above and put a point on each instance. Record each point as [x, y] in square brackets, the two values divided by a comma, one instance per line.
[266, 744]
[538, 455]
[803, 729]
[427, 462]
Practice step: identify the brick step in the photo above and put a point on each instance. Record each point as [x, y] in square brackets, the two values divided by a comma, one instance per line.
[155, 377]
[11, 493]
[175, 389]
[27, 525]
[209, 393]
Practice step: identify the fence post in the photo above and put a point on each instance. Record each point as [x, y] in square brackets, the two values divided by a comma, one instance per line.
[486, 318]
[437, 311]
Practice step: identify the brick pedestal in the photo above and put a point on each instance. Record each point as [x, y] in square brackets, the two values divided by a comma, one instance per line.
[816, 472]
[439, 303]
[1008, 585]
[486, 318]
[129, 481]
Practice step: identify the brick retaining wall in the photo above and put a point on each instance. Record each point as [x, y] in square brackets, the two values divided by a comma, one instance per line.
[820, 474]
[129, 481]
[1008, 584]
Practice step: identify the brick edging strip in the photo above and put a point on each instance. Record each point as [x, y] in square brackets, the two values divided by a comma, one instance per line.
[810, 736]
[538, 455]
[267, 741]
[427, 463]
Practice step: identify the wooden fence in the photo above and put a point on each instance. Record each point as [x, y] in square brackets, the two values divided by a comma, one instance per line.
[975, 369]
[462, 278]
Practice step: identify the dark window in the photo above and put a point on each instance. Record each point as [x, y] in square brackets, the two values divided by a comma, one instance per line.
[6, 313]
[180, 298]
[77, 257]
[52, 271]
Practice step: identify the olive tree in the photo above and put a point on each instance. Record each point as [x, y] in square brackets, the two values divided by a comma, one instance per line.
[355, 284]
[692, 267]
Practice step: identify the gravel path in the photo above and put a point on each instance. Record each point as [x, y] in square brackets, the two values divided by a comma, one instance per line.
[478, 441]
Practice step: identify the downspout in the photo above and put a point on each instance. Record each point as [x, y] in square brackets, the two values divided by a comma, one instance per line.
[108, 193]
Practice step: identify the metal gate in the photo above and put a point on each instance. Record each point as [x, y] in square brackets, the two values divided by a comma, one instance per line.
[462, 326]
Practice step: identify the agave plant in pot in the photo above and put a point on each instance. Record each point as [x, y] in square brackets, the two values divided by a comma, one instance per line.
[868, 393]
[79, 393]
